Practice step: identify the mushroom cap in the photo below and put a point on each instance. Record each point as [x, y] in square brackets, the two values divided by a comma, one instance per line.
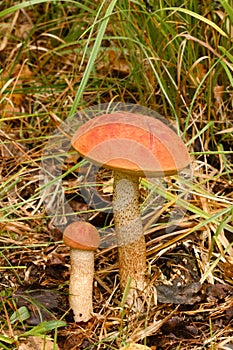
[132, 143]
[81, 235]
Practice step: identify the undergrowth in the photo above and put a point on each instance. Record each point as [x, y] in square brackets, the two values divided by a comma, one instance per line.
[61, 57]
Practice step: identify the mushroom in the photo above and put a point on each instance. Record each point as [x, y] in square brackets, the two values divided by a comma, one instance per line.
[133, 146]
[83, 239]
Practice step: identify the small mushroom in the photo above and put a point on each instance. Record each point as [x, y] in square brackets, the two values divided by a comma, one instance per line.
[83, 239]
[133, 146]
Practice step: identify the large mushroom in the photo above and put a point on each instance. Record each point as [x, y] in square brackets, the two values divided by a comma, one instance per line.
[133, 146]
[83, 239]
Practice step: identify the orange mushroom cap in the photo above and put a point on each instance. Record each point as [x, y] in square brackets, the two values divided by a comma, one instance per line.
[81, 235]
[132, 143]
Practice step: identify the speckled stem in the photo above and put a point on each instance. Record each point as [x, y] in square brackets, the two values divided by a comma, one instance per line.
[129, 230]
[81, 284]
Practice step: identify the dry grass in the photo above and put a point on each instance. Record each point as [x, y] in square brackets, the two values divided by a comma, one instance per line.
[45, 51]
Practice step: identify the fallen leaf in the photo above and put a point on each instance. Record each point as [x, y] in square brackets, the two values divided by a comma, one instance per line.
[218, 291]
[23, 30]
[188, 294]
[37, 343]
[133, 346]
[178, 327]
[118, 63]
[228, 270]
[200, 72]
[39, 303]
[108, 186]
[13, 101]
[218, 95]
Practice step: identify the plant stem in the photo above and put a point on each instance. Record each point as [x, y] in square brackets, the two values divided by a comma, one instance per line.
[129, 230]
[81, 284]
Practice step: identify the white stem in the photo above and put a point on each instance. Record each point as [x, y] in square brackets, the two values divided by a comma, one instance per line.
[81, 284]
[129, 230]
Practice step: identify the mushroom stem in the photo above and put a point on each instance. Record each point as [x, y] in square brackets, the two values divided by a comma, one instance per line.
[129, 231]
[81, 284]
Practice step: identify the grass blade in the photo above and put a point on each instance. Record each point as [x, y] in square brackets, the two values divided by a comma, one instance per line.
[92, 58]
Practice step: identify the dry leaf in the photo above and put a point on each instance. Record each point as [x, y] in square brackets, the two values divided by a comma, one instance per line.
[118, 63]
[218, 291]
[12, 102]
[228, 270]
[39, 303]
[174, 294]
[22, 71]
[135, 347]
[23, 30]
[218, 95]
[37, 343]
[201, 72]
[108, 186]
[180, 327]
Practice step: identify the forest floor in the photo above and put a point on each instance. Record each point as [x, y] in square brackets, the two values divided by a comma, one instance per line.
[45, 57]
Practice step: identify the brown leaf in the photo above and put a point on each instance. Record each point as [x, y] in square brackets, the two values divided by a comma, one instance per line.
[118, 63]
[200, 72]
[133, 346]
[228, 270]
[12, 102]
[178, 327]
[39, 303]
[174, 294]
[37, 343]
[218, 95]
[218, 291]
[23, 30]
